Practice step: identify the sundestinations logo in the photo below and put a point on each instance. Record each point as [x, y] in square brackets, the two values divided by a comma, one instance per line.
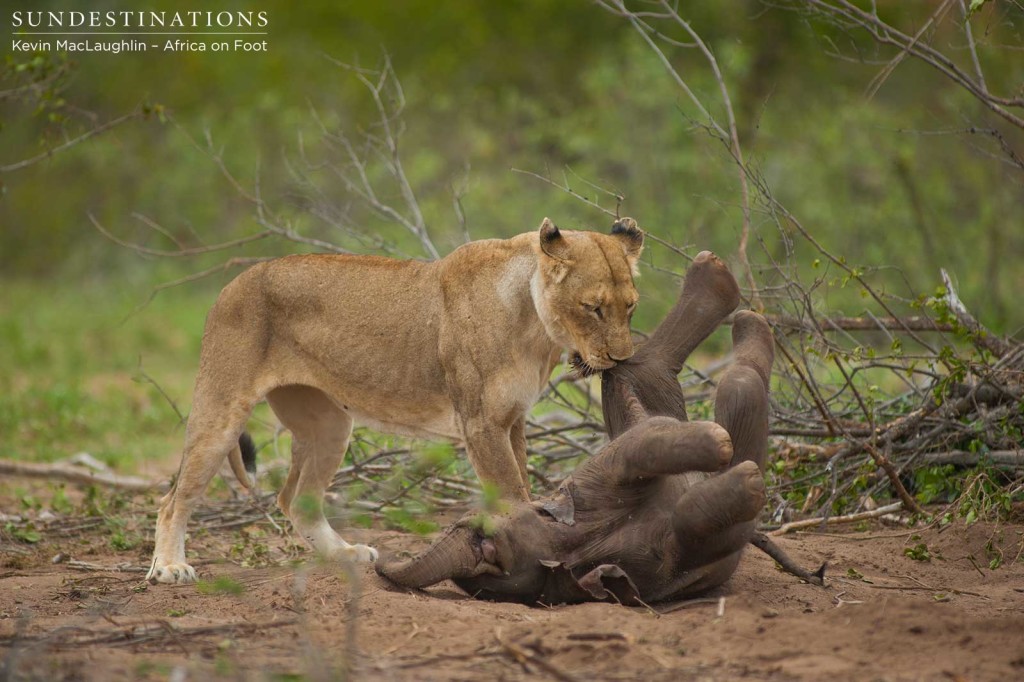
[116, 31]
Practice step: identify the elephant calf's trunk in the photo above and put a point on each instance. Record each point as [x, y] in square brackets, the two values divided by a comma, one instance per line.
[451, 556]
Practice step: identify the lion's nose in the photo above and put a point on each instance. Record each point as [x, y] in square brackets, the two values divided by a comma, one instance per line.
[620, 356]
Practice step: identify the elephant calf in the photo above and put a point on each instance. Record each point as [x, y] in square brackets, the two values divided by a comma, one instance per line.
[660, 513]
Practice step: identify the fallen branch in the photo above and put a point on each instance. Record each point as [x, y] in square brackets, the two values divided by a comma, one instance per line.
[1003, 459]
[765, 544]
[917, 323]
[834, 520]
[134, 634]
[524, 657]
[117, 568]
[73, 474]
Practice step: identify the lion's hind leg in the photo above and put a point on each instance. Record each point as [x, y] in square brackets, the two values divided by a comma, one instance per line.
[320, 434]
[210, 435]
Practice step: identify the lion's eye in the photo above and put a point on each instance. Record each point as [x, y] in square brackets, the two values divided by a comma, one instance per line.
[630, 309]
[594, 310]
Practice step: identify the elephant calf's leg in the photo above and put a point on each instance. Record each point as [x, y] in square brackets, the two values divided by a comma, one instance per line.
[715, 517]
[741, 404]
[662, 446]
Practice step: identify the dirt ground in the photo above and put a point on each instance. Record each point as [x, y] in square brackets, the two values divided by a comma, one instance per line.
[882, 616]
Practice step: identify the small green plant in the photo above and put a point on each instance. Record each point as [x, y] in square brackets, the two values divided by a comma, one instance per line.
[994, 552]
[250, 550]
[123, 542]
[918, 552]
[59, 501]
[220, 585]
[94, 502]
[26, 533]
[121, 539]
[983, 498]
[29, 502]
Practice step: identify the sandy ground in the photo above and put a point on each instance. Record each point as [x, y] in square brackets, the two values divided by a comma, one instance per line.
[882, 616]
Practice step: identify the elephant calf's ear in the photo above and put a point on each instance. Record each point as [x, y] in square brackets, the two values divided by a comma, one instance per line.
[632, 238]
[609, 582]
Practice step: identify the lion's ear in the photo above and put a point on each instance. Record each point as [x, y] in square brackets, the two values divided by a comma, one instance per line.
[552, 242]
[632, 238]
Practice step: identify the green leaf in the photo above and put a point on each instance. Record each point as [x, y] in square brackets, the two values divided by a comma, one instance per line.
[918, 552]
[974, 7]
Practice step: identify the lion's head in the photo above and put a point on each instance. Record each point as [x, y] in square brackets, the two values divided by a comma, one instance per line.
[584, 291]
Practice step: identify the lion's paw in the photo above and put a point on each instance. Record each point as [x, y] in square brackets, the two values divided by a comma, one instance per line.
[361, 553]
[172, 574]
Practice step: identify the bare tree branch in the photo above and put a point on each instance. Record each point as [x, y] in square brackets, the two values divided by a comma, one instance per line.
[98, 130]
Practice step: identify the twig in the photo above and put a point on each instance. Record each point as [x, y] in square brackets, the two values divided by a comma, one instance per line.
[834, 520]
[181, 252]
[522, 656]
[729, 137]
[98, 130]
[565, 188]
[64, 472]
[143, 377]
[1008, 459]
[868, 323]
[116, 568]
[765, 544]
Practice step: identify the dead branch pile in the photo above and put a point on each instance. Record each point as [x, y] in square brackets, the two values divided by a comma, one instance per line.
[839, 421]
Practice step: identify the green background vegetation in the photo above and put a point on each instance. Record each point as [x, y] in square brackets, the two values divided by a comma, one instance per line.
[539, 85]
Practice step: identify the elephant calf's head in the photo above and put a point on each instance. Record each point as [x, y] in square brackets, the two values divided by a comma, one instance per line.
[492, 556]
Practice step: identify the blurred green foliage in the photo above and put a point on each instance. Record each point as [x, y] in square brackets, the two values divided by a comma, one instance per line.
[72, 370]
[540, 85]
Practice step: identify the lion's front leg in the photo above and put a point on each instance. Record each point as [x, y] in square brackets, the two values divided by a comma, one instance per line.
[517, 435]
[489, 446]
[490, 403]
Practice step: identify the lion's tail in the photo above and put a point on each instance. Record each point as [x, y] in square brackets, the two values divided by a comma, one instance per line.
[243, 461]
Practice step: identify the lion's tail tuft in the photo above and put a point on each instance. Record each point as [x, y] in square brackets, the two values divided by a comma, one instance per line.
[243, 461]
[248, 449]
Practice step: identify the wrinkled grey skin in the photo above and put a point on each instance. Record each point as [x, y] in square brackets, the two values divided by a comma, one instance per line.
[660, 513]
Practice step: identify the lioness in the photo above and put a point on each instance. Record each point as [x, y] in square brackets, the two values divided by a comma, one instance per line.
[458, 348]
